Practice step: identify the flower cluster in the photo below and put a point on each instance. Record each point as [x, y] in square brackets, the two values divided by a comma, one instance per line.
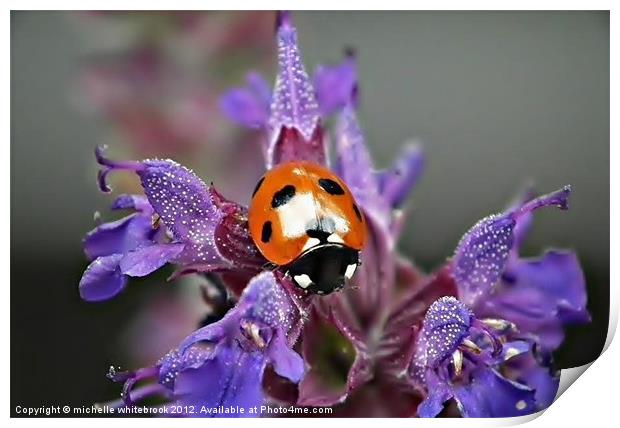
[394, 341]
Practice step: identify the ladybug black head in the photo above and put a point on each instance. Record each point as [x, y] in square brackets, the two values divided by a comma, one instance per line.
[324, 269]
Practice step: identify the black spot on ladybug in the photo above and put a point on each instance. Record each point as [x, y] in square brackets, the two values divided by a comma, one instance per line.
[282, 196]
[357, 212]
[265, 235]
[330, 186]
[258, 185]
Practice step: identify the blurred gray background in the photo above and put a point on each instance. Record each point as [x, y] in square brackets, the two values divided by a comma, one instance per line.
[498, 99]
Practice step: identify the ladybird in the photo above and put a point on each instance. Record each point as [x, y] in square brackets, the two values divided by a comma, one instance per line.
[304, 219]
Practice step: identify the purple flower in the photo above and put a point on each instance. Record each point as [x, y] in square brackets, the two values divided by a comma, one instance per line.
[292, 114]
[394, 341]
[207, 232]
[132, 246]
[331, 88]
[462, 358]
[221, 365]
[539, 296]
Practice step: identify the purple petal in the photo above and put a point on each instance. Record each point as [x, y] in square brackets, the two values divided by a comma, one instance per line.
[149, 258]
[544, 384]
[489, 395]
[257, 84]
[541, 296]
[213, 229]
[135, 202]
[354, 164]
[102, 279]
[294, 121]
[268, 302]
[399, 340]
[294, 104]
[286, 362]
[214, 332]
[445, 325]
[174, 362]
[248, 106]
[263, 301]
[181, 199]
[187, 207]
[118, 236]
[396, 183]
[482, 254]
[232, 374]
[525, 365]
[438, 394]
[336, 86]
[230, 378]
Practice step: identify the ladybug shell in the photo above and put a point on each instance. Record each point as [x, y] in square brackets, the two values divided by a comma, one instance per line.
[297, 206]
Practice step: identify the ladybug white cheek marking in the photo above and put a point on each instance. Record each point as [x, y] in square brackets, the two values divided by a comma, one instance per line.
[303, 281]
[348, 274]
[335, 239]
[311, 242]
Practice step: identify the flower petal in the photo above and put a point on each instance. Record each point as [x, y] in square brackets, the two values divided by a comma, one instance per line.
[268, 303]
[149, 258]
[544, 384]
[541, 296]
[489, 395]
[354, 165]
[196, 215]
[438, 394]
[295, 132]
[398, 344]
[134, 202]
[446, 323]
[527, 366]
[259, 86]
[286, 362]
[232, 377]
[251, 335]
[118, 237]
[482, 254]
[263, 301]
[248, 106]
[214, 332]
[102, 279]
[336, 85]
[174, 362]
[213, 228]
[181, 199]
[396, 183]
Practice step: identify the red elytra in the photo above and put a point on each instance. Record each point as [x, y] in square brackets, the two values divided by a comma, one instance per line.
[297, 206]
